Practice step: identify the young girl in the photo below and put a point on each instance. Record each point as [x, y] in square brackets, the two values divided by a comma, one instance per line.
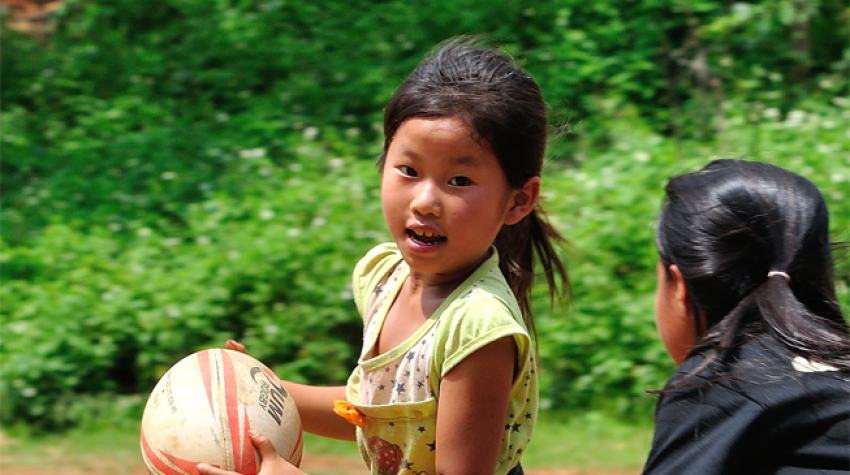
[746, 305]
[447, 379]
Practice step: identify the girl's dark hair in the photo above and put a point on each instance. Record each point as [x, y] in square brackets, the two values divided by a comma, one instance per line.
[505, 108]
[726, 227]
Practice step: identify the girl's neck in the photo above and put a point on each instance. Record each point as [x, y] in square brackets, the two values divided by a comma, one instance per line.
[440, 285]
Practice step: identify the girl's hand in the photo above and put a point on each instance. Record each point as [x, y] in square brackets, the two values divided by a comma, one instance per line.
[236, 346]
[271, 464]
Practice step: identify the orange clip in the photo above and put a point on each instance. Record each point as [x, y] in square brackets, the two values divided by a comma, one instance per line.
[347, 411]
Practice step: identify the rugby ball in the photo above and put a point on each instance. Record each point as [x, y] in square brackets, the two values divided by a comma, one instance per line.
[202, 408]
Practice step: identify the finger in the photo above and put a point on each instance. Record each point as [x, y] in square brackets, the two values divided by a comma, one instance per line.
[206, 469]
[263, 444]
[236, 346]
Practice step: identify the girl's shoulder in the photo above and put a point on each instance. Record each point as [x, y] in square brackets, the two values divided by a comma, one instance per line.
[480, 311]
[764, 371]
[485, 291]
[371, 270]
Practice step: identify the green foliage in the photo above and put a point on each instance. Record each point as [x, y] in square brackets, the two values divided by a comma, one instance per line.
[177, 173]
[111, 310]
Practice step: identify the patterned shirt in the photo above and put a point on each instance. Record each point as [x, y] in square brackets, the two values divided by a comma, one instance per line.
[398, 391]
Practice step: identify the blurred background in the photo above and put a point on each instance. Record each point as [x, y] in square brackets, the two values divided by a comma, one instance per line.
[180, 172]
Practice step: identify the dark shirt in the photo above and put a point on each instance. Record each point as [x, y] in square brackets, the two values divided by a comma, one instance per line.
[761, 416]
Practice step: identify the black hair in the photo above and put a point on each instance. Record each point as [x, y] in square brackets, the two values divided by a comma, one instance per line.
[726, 227]
[505, 108]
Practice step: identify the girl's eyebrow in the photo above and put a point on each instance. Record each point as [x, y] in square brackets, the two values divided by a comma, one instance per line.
[463, 160]
[467, 160]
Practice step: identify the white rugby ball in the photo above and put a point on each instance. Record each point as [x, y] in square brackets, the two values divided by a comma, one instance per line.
[202, 408]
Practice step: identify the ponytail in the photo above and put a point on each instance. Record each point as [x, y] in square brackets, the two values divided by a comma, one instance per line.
[517, 245]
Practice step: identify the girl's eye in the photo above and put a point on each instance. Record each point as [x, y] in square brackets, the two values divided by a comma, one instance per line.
[407, 171]
[460, 181]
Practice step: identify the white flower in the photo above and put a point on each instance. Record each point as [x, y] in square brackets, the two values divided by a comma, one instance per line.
[336, 162]
[795, 118]
[222, 117]
[144, 232]
[173, 241]
[173, 312]
[253, 153]
[311, 132]
[203, 240]
[741, 9]
[771, 113]
[28, 392]
[266, 214]
[168, 175]
[318, 221]
[642, 157]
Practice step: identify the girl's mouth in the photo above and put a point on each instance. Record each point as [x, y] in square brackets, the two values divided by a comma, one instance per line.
[425, 238]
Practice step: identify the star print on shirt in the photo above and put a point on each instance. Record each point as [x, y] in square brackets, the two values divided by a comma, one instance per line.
[421, 428]
[400, 388]
[411, 355]
[528, 415]
[516, 427]
[432, 445]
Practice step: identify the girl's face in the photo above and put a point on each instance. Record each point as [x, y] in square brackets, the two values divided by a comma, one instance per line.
[673, 313]
[445, 197]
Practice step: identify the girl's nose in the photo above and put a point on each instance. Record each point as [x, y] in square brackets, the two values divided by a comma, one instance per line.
[426, 200]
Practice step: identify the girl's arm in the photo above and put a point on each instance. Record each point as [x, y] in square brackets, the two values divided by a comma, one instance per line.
[315, 405]
[474, 398]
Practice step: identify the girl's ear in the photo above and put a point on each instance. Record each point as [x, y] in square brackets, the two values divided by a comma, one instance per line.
[522, 201]
[674, 317]
[681, 299]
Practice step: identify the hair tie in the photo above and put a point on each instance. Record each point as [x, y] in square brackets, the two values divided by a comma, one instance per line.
[779, 272]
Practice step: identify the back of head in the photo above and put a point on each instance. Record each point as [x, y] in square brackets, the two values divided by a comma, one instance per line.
[503, 105]
[729, 225]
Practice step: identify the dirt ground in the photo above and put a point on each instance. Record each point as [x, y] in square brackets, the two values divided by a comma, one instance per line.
[314, 465]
